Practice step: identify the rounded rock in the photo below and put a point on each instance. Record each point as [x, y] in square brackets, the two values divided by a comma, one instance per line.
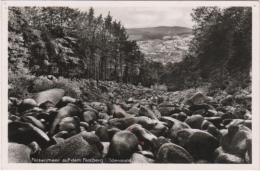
[123, 145]
[194, 121]
[229, 158]
[18, 153]
[103, 134]
[202, 145]
[71, 125]
[89, 117]
[172, 153]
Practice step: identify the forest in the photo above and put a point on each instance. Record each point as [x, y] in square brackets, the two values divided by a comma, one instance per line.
[66, 42]
[69, 43]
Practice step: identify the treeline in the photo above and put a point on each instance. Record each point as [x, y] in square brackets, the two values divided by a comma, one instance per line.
[67, 42]
[220, 52]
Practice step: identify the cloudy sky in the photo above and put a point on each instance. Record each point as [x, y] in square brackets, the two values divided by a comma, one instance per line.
[147, 16]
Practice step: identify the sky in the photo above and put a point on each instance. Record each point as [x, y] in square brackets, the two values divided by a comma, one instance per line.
[147, 16]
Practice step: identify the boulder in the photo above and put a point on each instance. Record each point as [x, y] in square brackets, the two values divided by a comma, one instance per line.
[240, 99]
[196, 99]
[186, 111]
[158, 142]
[202, 145]
[93, 128]
[229, 158]
[205, 107]
[182, 116]
[157, 113]
[227, 137]
[168, 111]
[240, 112]
[123, 123]
[140, 158]
[134, 111]
[159, 129]
[103, 122]
[89, 108]
[175, 126]
[68, 111]
[145, 137]
[117, 111]
[248, 116]
[221, 109]
[238, 145]
[216, 121]
[166, 104]
[103, 116]
[60, 137]
[201, 112]
[52, 95]
[145, 111]
[219, 114]
[18, 153]
[125, 106]
[194, 121]
[13, 118]
[172, 153]
[85, 125]
[35, 149]
[47, 105]
[202, 161]
[105, 150]
[227, 116]
[84, 145]
[27, 104]
[89, 117]
[65, 100]
[98, 106]
[211, 113]
[175, 115]
[228, 101]
[33, 121]
[130, 100]
[123, 145]
[214, 131]
[112, 132]
[71, 125]
[103, 134]
[183, 137]
[26, 133]
[217, 152]
[248, 155]
[205, 124]
[161, 99]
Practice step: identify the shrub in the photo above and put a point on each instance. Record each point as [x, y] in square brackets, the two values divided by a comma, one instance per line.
[21, 84]
[70, 86]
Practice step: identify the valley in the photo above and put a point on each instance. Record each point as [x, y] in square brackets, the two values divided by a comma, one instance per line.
[162, 44]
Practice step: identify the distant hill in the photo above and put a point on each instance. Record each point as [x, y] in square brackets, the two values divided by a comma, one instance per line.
[162, 44]
[161, 32]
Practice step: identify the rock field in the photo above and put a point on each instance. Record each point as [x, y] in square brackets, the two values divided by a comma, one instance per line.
[129, 124]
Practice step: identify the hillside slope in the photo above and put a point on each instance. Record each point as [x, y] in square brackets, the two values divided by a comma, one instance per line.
[162, 44]
[156, 32]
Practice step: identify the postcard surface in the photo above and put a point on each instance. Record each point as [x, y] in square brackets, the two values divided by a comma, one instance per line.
[130, 85]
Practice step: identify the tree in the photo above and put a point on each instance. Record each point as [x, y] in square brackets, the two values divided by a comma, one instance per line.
[68, 42]
[222, 43]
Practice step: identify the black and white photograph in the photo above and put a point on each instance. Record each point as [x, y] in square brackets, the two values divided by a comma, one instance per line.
[131, 83]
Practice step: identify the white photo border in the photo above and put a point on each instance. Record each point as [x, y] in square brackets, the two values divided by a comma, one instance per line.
[87, 166]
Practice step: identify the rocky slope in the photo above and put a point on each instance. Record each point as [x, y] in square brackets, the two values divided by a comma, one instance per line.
[142, 126]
